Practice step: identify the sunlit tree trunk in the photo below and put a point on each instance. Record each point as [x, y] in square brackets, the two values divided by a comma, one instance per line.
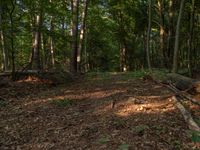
[52, 48]
[82, 33]
[35, 61]
[123, 66]
[148, 36]
[74, 44]
[176, 46]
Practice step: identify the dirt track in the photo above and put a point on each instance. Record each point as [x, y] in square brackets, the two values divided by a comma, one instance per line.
[140, 119]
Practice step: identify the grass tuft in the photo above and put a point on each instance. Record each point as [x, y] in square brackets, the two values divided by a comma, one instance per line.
[63, 103]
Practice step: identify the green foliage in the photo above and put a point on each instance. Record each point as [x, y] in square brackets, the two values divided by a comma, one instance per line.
[159, 74]
[98, 75]
[63, 103]
[123, 147]
[3, 103]
[140, 128]
[103, 140]
[195, 136]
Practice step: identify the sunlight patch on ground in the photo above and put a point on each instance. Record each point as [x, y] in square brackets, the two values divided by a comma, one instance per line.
[156, 107]
[44, 100]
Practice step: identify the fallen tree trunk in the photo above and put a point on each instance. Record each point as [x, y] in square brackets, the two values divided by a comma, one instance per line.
[184, 95]
[182, 83]
[187, 116]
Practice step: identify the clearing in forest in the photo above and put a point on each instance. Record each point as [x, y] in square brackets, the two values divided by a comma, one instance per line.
[97, 112]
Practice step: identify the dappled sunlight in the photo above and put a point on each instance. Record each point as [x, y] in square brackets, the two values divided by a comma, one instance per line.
[139, 104]
[42, 101]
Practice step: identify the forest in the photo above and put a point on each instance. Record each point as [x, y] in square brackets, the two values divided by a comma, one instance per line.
[99, 74]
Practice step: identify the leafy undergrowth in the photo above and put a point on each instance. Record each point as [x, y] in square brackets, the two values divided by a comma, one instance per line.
[81, 115]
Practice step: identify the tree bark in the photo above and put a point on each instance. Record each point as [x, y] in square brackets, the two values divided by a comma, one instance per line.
[148, 36]
[190, 40]
[176, 47]
[52, 48]
[4, 51]
[170, 39]
[162, 31]
[13, 3]
[82, 34]
[35, 61]
[74, 45]
[182, 83]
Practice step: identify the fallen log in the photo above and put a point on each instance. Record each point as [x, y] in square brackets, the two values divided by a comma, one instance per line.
[182, 83]
[184, 95]
[187, 116]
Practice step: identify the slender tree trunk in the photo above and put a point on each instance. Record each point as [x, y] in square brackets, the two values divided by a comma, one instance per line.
[123, 66]
[162, 31]
[190, 40]
[148, 36]
[82, 33]
[176, 47]
[52, 49]
[4, 51]
[12, 38]
[170, 39]
[43, 55]
[75, 10]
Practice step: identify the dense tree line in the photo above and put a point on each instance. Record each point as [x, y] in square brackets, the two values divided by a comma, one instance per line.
[99, 35]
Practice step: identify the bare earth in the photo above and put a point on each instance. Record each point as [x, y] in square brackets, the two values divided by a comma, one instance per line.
[140, 119]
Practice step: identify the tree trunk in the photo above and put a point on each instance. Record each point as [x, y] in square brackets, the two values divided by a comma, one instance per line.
[75, 10]
[190, 40]
[162, 31]
[182, 83]
[12, 38]
[148, 36]
[82, 34]
[176, 47]
[170, 38]
[52, 49]
[4, 51]
[35, 61]
[123, 66]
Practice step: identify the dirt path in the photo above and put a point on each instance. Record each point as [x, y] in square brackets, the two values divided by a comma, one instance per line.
[36, 117]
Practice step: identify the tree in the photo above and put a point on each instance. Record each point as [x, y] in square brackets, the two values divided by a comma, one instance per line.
[74, 44]
[82, 33]
[35, 59]
[162, 31]
[190, 39]
[148, 36]
[176, 47]
[4, 51]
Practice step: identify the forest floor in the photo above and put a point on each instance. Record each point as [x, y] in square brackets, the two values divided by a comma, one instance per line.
[82, 116]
